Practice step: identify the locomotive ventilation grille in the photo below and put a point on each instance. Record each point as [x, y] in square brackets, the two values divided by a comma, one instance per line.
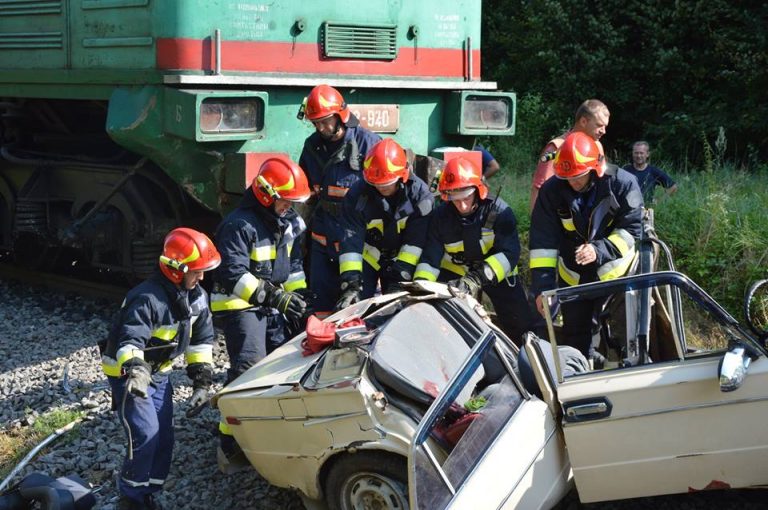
[348, 40]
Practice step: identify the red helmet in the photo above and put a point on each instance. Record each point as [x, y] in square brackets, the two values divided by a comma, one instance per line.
[385, 164]
[324, 101]
[461, 174]
[185, 250]
[280, 178]
[578, 154]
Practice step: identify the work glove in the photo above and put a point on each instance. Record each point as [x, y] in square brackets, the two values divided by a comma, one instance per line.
[289, 303]
[471, 283]
[309, 298]
[392, 276]
[351, 291]
[202, 379]
[139, 375]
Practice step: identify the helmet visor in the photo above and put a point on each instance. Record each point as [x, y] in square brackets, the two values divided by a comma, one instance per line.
[458, 194]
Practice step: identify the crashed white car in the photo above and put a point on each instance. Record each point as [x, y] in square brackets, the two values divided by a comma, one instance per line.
[358, 424]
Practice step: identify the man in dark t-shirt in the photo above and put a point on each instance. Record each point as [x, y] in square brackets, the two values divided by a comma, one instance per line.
[648, 176]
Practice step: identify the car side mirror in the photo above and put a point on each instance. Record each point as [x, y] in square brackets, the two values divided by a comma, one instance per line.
[756, 309]
[733, 368]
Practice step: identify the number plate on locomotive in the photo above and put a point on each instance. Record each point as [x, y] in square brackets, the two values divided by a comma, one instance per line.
[380, 118]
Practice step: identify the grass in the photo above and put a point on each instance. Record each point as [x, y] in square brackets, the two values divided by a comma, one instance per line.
[715, 226]
[15, 444]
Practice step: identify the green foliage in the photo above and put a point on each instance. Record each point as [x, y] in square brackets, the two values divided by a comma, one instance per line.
[668, 71]
[15, 444]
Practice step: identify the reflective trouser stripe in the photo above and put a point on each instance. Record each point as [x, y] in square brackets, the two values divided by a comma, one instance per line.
[202, 353]
[224, 428]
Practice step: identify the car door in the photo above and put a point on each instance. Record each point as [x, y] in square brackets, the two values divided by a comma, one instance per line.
[508, 453]
[663, 426]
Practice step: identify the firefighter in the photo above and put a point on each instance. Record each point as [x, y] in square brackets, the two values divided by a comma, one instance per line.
[260, 288]
[332, 157]
[473, 245]
[385, 221]
[583, 229]
[160, 319]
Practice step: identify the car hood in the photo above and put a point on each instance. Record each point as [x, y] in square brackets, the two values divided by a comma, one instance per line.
[285, 365]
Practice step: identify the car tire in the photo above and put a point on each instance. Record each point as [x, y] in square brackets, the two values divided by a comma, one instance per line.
[368, 479]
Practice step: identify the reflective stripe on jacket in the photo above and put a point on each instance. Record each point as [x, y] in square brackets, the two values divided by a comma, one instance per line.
[255, 244]
[159, 315]
[485, 239]
[607, 215]
[376, 226]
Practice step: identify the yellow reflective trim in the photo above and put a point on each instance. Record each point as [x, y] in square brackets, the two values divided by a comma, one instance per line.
[568, 224]
[616, 268]
[375, 224]
[448, 264]
[351, 265]
[408, 257]
[401, 224]
[371, 255]
[546, 262]
[426, 272]
[110, 366]
[199, 357]
[263, 253]
[245, 287]
[165, 366]
[622, 240]
[128, 352]
[166, 333]
[193, 256]
[486, 240]
[500, 265]
[224, 303]
[292, 285]
[224, 428]
[568, 276]
[456, 247]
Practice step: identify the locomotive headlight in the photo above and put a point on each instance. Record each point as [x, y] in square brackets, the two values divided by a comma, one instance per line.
[472, 112]
[215, 115]
[231, 115]
[487, 113]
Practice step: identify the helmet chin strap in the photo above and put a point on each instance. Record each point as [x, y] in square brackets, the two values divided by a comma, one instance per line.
[336, 130]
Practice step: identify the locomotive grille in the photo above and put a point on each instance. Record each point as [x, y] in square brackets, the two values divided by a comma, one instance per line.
[345, 40]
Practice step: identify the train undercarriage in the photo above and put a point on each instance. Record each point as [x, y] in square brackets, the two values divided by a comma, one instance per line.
[71, 196]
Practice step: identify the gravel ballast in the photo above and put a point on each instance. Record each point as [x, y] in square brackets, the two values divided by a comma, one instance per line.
[49, 360]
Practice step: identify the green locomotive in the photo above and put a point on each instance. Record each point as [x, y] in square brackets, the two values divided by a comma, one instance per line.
[124, 118]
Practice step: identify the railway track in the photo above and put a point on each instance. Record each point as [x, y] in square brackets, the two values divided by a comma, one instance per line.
[63, 283]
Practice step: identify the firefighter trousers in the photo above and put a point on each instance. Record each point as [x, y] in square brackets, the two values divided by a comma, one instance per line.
[150, 428]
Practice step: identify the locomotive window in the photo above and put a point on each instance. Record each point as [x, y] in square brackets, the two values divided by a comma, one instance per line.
[231, 115]
[487, 113]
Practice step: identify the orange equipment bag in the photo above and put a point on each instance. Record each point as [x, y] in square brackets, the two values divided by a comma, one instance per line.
[321, 334]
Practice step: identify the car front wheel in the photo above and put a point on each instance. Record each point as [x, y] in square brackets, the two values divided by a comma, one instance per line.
[368, 481]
